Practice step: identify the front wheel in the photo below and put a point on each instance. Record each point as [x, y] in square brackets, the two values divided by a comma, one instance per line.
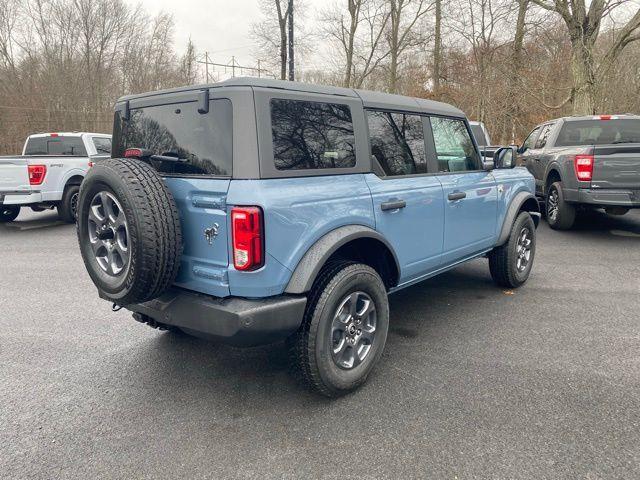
[344, 329]
[510, 264]
[8, 213]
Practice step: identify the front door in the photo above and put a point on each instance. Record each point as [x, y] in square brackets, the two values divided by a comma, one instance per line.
[470, 193]
[407, 201]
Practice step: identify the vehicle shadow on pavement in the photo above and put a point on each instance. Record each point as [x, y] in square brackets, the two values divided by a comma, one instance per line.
[182, 363]
[37, 221]
[599, 221]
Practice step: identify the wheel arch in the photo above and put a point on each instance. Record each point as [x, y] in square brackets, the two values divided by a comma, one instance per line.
[522, 202]
[354, 242]
[74, 179]
[553, 175]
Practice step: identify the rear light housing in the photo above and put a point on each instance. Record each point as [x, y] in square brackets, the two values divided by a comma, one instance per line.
[247, 233]
[91, 164]
[583, 165]
[37, 174]
[133, 153]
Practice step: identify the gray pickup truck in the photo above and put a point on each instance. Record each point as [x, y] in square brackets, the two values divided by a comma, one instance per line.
[584, 162]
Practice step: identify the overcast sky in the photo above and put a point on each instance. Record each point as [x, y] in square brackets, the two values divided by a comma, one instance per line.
[220, 27]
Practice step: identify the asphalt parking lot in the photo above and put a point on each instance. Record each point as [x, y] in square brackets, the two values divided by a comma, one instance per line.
[475, 382]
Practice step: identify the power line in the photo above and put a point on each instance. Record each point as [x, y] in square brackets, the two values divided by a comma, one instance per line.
[233, 65]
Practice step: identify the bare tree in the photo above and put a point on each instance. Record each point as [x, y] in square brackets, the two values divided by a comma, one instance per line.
[437, 48]
[583, 25]
[271, 32]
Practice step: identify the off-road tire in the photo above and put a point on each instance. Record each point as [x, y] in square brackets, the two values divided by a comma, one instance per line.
[310, 346]
[67, 212]
[153, 224]
[8, 213]
[503, 259]
[566, 215]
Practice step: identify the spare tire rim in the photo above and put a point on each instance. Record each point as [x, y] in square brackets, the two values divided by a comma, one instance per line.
[353, 330]
[109, 234]
[523, 249]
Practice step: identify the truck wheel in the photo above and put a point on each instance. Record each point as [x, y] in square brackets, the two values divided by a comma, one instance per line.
[128, 231]
[8, 213]
[510, 264]
[560, 214]
[68, 206]
[344, 329]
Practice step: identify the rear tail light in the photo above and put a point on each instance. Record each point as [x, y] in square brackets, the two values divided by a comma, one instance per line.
[583, 165]
[36, 174]
[248, 238]
[91, 164]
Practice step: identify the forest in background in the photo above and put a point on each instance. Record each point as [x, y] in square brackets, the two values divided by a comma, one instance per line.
[509, 63]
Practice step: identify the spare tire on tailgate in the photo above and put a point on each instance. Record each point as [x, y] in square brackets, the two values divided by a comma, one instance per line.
[128, 231]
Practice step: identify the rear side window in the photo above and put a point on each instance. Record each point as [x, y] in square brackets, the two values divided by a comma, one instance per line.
[311, 135]
[60, 145]
[544, 136]
[599, 132]
[397, 142]
[454, 147]
[102, 145]
[202, 143]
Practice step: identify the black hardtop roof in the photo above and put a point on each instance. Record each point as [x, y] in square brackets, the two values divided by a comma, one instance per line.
[370, 99]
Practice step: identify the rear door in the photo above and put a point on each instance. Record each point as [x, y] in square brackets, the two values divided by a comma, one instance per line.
[536, 158]
[470, 194]
[199, 181]
[407, 200]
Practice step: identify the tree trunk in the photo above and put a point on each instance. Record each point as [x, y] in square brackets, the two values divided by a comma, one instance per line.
[437, 49]
[353, 25]
[584, 91]
[291, 43]
[513, 109]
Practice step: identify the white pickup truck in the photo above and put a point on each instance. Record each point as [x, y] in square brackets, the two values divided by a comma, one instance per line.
[49, 172]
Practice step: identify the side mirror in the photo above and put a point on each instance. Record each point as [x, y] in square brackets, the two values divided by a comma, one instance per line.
[505, 157]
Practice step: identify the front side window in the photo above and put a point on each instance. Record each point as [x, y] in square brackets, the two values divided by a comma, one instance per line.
[454, 146]
[397, 142]
[102, 145]
[312, 135]
[58, 145]
[202, 144]
[531, 139]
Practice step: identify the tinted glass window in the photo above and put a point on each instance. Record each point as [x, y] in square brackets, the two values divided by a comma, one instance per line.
[544, 136]
[397, 142]
[72, 146]
[531, 139]
[454, 147]
[599, 132]
[311, 135]
[103, 145]
[479, 135]
[202, 142]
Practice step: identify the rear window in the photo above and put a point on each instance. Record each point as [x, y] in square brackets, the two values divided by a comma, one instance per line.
[202, 143]
[102, 145]
[311, 135]
[72, 146]
[478, 134]
[599, 132]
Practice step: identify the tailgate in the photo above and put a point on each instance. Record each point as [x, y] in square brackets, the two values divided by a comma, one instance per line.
[14, 175]
[617, 166]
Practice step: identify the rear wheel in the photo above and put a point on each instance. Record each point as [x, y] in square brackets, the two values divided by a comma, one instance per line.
[344, 329]
[560, 214]
[8, 213]
[68, 206]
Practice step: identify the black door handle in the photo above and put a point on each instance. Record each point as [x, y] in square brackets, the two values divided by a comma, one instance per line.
[456, 196]
[393, 205]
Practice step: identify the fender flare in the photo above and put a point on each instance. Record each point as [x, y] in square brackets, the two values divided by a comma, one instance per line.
[553, 166]
[75, 172]
[512, 213]
[313, 260]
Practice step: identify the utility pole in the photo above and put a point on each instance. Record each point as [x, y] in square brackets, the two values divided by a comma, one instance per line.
[291, 62]
[206, 62]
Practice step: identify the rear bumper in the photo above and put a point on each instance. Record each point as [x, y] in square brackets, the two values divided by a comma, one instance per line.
[233, 320]
[605, 197]
[19, 198]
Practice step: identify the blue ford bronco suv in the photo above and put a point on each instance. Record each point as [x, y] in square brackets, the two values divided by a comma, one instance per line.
[253, 210]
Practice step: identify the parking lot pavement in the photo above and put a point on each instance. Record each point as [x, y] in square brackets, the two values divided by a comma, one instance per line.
[475, 381]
